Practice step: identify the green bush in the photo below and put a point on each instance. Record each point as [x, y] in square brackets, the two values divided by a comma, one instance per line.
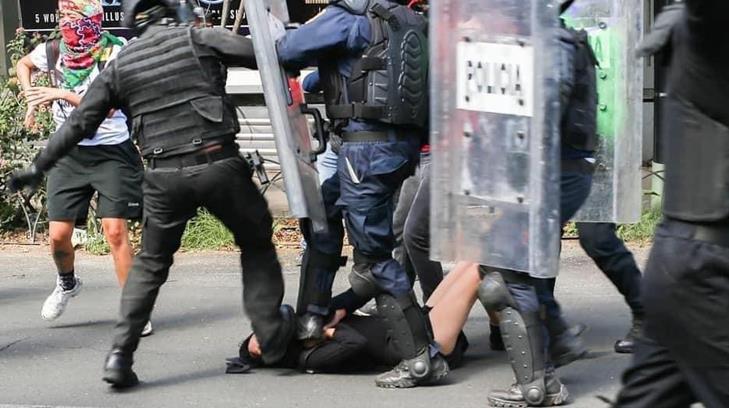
[18, 145]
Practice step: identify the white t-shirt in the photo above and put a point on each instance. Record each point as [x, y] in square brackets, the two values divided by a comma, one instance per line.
[112, 131]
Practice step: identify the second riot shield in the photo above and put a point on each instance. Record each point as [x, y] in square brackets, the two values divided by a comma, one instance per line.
[286, 107]
[495, 133]
[614, 28]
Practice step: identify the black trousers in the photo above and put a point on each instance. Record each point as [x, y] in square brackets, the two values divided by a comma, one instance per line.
[172, 197]
[601, 243]
[685, 356]
[416, 237]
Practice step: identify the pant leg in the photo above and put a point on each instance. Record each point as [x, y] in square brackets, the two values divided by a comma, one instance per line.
[654, 380]
[685, 289]
[370, 174]
[322, 256]
[574, 190]
[230, 194]
[168, 204]
[417, 239]
[601, 243]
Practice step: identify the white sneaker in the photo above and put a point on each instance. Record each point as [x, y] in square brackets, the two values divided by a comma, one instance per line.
[56, 303]
[147, 329]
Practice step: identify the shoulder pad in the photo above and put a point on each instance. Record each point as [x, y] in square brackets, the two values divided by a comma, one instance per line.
[358, 7]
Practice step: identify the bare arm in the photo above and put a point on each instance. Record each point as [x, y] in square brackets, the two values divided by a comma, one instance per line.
[24, 68]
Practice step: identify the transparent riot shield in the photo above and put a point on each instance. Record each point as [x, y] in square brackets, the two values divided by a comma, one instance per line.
[614, 28]
[495, 133]
[287, 108]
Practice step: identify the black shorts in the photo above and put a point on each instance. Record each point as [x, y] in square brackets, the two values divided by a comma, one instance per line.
[115, 171]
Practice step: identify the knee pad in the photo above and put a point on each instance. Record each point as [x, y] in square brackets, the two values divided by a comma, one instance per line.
[363, 283]
[493, 293]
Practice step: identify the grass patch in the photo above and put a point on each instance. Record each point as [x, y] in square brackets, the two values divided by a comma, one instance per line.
[206, 232]
[645, 228]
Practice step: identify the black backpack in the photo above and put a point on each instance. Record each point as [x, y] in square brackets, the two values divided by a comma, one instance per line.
[579, 121]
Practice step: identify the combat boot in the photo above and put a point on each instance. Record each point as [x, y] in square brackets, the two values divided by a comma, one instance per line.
[118, 369]
[568, 346]
[627, 345]
[513, 398]
[420, 370]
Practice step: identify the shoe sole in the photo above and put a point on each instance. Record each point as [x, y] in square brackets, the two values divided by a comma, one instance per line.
[117, 379]
[396, 384]
[436, 378]
[551, 400]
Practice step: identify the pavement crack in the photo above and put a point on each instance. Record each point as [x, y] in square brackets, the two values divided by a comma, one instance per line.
[11, 344]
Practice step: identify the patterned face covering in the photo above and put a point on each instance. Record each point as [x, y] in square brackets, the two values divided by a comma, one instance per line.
[83, 42]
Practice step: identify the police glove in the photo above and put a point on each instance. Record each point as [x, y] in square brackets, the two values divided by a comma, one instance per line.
[29, 179]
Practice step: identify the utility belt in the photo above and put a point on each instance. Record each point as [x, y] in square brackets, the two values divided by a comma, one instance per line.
[372, 136]
[717, 234]
[206, 155]
[582, 166]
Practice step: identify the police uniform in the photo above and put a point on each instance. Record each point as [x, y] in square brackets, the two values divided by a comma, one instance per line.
[381, 116]
[171, 82]
[519, 297]
[684, 357]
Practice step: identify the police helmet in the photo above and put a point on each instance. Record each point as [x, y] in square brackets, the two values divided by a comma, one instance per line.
[156, 9]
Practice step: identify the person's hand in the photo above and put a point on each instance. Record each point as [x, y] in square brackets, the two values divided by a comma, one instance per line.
[41, 95]
[254, 348]
[329, 333]
[339, 314]
[29, 121]
[28, 179]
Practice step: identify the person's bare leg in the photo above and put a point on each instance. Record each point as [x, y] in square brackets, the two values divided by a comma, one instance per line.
[117, 235]
[447, 283]
[60, 233]
[450, 313]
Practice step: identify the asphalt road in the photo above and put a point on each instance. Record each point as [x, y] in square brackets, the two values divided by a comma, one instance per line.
[199, 322]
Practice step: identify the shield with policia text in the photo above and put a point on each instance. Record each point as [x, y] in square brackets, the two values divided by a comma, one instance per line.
[614, 28]
[495, 133]
[287, 108]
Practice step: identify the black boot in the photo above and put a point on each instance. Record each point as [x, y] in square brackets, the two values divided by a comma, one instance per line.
[421, 370]
[567, 347]
[556, 394]
[627, 345]
[118, 369]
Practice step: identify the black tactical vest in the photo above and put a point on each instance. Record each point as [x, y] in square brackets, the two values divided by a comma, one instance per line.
[696, 131]
[177, 106]
[579, 118]
[389, 83]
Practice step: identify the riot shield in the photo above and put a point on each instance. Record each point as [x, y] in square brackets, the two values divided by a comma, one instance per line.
[287, 108]
[495, 134]
[614, 28]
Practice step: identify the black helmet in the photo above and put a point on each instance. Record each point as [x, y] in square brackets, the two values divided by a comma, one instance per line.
[178, 9]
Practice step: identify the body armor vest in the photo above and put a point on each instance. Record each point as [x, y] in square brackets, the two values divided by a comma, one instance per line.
[389, 82]
[696, 148]
[176, 104]
[579, 121]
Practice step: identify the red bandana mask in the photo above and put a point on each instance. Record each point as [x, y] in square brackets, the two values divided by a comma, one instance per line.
[82, 46]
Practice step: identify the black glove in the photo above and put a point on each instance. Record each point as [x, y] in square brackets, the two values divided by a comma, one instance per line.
[30, 178]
